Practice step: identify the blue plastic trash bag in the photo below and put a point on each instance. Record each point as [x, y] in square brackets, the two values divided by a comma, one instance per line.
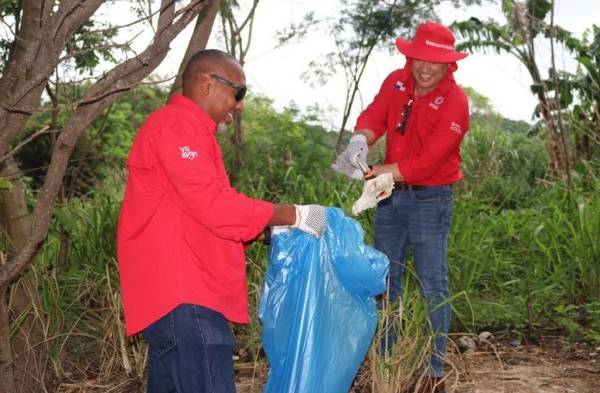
[317, 307]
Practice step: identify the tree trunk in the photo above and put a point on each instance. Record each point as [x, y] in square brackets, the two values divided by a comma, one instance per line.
[29, 363]
[558, 156]
[7, 381]
[237, 140]
[202, 30]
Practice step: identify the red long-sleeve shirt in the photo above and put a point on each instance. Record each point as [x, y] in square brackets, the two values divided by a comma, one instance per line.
[429, 151]
[182, 226]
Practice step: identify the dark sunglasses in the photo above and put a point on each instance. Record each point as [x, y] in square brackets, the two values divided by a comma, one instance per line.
[240, 90]
[405, 113]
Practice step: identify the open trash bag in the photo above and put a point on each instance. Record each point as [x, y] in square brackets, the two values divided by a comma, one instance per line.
[317, 307]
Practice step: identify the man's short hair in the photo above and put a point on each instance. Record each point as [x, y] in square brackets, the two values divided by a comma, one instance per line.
[204, 61]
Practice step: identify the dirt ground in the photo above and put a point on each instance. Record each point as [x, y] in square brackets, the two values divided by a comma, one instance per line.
[553, 366]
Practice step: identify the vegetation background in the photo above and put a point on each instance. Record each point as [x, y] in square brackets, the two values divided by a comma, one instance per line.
[524, 248]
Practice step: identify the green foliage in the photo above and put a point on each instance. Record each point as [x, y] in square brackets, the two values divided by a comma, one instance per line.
[5, 184]
[102, 148]
[519, 246]
[89, 44]
[279, 149]
[501, 169]
[9, 10]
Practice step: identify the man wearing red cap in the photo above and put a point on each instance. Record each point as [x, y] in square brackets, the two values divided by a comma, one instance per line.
[424, 115]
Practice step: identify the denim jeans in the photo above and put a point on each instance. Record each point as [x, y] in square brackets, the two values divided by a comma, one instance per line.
[419, 219]
[191, 351]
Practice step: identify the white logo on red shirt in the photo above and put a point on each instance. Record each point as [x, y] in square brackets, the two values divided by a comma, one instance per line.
[187, 153]
[456, 128]
[400, 86]
[436, 103]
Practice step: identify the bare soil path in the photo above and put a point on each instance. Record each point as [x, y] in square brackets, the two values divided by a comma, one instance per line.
[554, 366]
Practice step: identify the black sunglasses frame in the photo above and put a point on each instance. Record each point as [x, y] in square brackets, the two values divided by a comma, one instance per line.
[240, 90]
[401, 128]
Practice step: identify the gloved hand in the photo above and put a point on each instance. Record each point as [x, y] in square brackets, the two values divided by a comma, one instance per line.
[347, 161]
[311, 219]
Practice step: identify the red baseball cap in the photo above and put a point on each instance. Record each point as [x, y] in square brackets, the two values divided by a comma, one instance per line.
[433, 42]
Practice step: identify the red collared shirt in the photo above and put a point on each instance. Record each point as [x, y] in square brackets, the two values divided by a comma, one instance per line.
[182, 226]
[428, 153]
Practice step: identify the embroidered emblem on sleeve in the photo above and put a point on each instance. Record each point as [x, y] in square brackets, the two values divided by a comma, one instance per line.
[187, 153]
[456, 128]
[400, 86]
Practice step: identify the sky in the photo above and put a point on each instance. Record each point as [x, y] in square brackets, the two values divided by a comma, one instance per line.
[276, 72]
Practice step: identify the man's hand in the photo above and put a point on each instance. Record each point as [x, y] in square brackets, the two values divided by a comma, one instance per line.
[311, 219]
[348, 160]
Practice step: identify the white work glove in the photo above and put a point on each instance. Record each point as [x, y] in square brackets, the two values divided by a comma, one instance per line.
[347, 161]
[311, 219]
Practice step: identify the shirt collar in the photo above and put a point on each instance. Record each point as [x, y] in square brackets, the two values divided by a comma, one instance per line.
[197, 111]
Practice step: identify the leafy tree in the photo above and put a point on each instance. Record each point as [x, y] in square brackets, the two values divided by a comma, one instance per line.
[527, 22]
[585, 86]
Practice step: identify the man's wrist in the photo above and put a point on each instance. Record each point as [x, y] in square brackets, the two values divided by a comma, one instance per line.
[267, 236]
[359, 137]
[391, 168]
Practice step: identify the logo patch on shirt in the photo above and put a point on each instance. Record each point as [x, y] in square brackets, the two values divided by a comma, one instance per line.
[400, 86]
[187, 153]
[456, 128]
[436, 103]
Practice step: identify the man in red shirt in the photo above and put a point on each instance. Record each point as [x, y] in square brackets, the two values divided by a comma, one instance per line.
[182, 231]
[424, 115]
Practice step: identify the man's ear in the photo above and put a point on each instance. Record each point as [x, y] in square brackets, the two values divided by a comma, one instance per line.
[205, 84]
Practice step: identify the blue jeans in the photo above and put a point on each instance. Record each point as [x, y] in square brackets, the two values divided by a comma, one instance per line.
[191, 351]
[421, 219]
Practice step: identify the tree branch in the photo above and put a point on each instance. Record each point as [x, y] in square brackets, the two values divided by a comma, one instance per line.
[24, 142]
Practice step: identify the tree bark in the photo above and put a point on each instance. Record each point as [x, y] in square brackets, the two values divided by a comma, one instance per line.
[7, 381]
[23, 302]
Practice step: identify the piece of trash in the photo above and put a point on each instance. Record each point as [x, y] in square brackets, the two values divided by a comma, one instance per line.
[374, 190]
[485, 336]
[466, 344]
